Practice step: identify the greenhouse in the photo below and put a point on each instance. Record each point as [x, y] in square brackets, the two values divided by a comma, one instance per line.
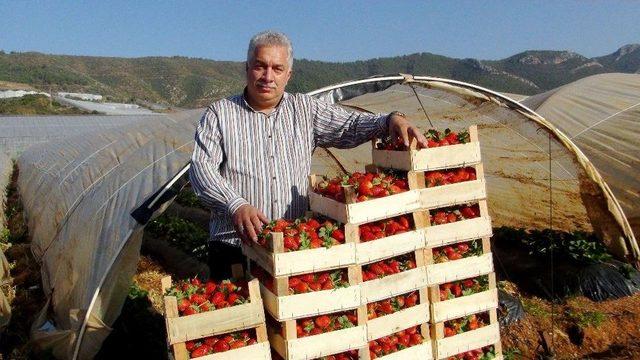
[88, 197]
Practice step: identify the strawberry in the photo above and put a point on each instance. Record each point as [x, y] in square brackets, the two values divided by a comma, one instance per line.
[221, 346]
[338, 235]
[201, 351]
[323, 322]
[183, 304]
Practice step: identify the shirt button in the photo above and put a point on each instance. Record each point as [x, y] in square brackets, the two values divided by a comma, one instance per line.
[274, 178]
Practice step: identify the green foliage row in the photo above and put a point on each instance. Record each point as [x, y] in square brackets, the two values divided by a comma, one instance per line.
[579, 247]
[182, 234]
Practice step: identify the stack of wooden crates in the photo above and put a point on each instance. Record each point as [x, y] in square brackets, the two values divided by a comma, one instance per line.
[435, 236]
[430, 313]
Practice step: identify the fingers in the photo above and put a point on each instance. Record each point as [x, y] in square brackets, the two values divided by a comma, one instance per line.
[404, 134]
[249, 230]
[422, 140]
[262, 218]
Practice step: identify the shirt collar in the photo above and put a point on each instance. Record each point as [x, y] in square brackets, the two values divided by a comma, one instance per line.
[275, 109]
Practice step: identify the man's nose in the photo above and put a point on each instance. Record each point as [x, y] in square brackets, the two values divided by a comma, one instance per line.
[268, 74]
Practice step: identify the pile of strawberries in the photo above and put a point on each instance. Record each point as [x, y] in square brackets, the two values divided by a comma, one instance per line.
[465, 287]
[324, 280]
[347, 355]
[467, 323]
[399, 341]
[457, 251]
[195, 296]
[326, 323]
[434, 137]
[453, 214]
[366, 185]
[383, 228]
[221, 343]
[391, 305]
[486, 353]
[300, 284]
[446, 177]
[304, 233]
[387, 267]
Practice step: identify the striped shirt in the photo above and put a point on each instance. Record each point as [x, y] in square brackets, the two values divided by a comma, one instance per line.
[242, 156]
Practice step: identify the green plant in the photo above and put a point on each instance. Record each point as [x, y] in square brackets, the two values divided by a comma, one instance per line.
[135, 292]
[511, 353]
[182, 234]
[588, 318]
[187, 197]
[534, 308]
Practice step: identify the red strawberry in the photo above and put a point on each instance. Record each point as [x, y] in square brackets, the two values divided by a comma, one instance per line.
[183, 304]
[201, 351]
[221, 346]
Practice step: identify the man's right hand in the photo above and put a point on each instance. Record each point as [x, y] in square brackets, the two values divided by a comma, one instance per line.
[248, 222]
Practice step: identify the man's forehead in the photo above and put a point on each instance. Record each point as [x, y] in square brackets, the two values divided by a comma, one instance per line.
[271, 53]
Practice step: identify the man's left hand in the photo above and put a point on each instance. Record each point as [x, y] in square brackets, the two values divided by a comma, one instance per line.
[400, 127]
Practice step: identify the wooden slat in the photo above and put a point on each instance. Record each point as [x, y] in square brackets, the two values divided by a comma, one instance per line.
[445, 157]
[277, 342]
[390, 246]
[311, 304]
[400, 160]
[464, 305]
[453, 194]
[210, 323]
[445, 234]
[403, 319]
[259, 351]
[422, 352]
[312, 347]
[171, 312]
[459, 269]
[260, 255]
[314, 260]
[366, 211]
[469, 340]
[392, 285]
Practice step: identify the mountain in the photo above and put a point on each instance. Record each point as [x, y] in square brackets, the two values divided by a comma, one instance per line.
[190, 82]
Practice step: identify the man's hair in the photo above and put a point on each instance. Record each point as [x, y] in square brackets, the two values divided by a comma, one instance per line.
[269, 38]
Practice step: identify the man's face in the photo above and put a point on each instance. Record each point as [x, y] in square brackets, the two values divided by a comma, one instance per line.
[267, 75]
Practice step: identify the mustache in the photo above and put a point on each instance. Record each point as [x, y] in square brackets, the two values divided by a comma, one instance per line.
[265, 84]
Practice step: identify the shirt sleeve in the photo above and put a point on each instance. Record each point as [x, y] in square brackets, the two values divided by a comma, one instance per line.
[207, 182]
[336, 127]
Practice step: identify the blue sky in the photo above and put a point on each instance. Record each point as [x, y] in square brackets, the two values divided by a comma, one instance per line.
[320, 30]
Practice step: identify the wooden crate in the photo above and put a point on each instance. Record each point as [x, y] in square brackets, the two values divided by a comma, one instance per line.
[418, 314]
[459, 231]
[279, 263]
[459, 269]
[390, 246]
[423, 351]
[431, 158]
[291, 307]
[362, 212]
[396, 284]
[464, 305]
[470, 340]
[181, 329]
[290, 347]
[283, 306]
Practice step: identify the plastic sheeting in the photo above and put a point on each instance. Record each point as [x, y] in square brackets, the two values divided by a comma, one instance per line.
[79, 193]
[519, 150]
[77, 196]
[17, 133]
[601, 114]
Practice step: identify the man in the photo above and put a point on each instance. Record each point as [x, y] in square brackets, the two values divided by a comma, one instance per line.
[252, 154]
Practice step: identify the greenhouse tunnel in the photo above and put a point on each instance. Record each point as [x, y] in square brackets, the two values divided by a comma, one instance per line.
[80, 194]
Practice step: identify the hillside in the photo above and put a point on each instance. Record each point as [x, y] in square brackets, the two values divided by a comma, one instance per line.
[190, 82]
[36, 105]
